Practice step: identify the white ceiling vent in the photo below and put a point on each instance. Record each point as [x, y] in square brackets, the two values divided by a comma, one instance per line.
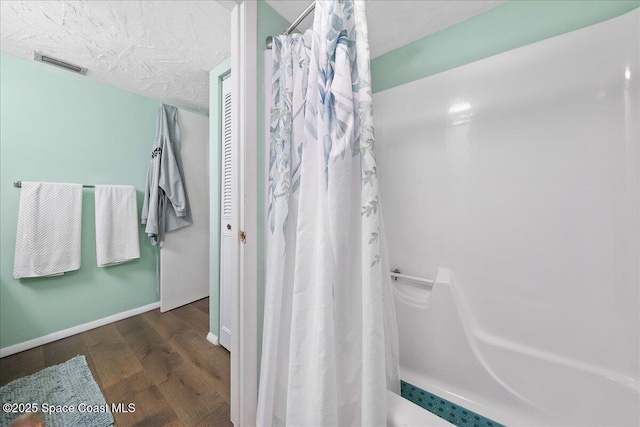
[58, 63]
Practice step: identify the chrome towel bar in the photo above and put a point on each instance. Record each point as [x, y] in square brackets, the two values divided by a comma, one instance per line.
[18, 184]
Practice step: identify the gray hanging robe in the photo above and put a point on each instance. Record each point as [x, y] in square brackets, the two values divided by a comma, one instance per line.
[166, 205]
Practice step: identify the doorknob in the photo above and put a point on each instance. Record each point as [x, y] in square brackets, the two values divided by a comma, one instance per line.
[228, 226]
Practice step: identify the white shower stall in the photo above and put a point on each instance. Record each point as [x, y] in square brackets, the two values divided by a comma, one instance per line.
[513, 183]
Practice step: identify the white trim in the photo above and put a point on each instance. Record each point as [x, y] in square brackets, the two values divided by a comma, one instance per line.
[228, 4]
[213, 339]
[46, 339]
[244, 345]
[248, 308]
[236, 53]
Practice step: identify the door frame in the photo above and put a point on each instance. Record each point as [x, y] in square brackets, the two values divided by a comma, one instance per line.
[244, 339]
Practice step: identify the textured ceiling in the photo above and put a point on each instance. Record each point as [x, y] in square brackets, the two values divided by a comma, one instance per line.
[165, 49]
[394, 23]
[160, 49]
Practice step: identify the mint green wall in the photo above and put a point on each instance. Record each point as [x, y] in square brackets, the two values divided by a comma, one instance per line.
[56, 126]
[215, 150]
[270, 23]
[505, 27]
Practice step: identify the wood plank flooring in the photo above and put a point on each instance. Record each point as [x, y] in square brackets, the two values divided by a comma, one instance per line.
[162, 362]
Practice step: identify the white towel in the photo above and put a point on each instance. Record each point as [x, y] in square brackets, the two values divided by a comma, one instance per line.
[49, 224]
[116, 224]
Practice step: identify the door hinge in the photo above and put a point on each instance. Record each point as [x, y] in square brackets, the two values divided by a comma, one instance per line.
[243, 237]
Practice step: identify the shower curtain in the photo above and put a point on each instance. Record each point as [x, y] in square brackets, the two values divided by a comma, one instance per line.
[330, 346]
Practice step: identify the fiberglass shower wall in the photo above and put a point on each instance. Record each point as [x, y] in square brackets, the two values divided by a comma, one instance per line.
[519, 174]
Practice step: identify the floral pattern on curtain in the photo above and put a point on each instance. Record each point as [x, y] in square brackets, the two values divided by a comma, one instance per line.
[330, 337]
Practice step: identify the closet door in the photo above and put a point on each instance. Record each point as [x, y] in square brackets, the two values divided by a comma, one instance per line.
[226, 219]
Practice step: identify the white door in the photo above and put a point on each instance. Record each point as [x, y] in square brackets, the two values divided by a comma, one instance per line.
[227, 234]
[184, 258]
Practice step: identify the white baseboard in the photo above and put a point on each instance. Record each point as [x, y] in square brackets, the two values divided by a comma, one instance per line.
[17, 348]
[213, 339]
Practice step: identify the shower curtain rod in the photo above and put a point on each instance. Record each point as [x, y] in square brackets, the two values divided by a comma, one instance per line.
[18, 184]
[294, 24]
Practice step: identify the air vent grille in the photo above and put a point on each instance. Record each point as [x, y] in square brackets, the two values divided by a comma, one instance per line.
[59, 63]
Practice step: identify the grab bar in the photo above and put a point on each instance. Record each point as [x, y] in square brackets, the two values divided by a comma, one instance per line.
[397, 275]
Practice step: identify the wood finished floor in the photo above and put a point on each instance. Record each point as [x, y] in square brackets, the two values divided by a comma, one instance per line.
[162, 362]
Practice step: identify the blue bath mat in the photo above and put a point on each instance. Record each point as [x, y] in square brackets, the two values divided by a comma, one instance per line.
[449, 411]
[70, 384]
